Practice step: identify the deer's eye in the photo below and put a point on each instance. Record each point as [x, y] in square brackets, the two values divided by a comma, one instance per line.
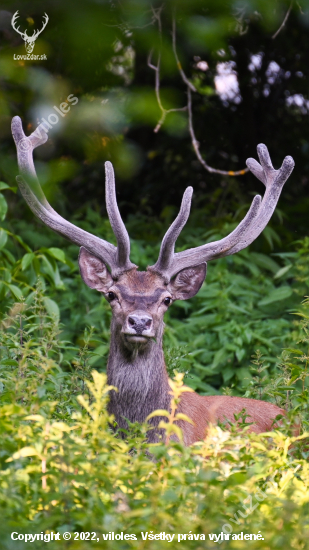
[111, 296]
[167, 301]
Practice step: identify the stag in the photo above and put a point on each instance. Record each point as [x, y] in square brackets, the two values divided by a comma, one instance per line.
[29, 40]
[139, 300]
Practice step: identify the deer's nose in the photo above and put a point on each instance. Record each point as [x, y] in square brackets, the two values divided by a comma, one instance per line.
[139, 323]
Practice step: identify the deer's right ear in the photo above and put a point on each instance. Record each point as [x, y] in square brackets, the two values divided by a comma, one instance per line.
[93, 271]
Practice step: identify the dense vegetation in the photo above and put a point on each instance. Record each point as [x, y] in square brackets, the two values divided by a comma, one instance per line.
[63, 470]
[245, 304]
[246, 333]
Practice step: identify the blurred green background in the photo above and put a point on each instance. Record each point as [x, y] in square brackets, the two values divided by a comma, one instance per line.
[250, 76]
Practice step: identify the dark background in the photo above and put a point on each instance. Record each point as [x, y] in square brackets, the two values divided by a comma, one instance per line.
[98, 51]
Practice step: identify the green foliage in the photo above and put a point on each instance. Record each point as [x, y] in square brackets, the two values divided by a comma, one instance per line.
[244, 305]
[63, 469]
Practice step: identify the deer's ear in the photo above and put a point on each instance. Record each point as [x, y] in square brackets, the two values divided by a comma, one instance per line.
[188, 282]
[93, 271]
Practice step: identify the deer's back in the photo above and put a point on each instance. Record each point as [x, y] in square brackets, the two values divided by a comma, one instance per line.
[211, 409]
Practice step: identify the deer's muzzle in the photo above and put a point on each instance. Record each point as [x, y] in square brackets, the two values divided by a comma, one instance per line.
[138, 327]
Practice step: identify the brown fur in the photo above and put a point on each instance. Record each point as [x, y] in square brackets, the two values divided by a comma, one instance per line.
[141, 282]
[211, 409]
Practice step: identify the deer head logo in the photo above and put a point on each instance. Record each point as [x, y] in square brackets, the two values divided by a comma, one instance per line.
[29, 40]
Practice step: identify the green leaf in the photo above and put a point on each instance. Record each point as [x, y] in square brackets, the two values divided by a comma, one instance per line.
[240, 354]
[26, 451]
[185, 417]
[290, 388]
[281, 293]
[56, 253]
[9, 363]
[20, 241]
[51, 268]
[265, 262]
[51, 308]
[237, 479]
[98, 353]
[293, 350]
[17, 293]
[158, 412]
[8, 255]
[282, 271]
[219, 357]
[3, 207]
[27, 260]
[6, 186]
[41, 391]
[3, 238]
[271, 236]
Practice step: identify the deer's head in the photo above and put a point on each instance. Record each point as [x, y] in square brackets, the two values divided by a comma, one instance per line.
[29, 40]
[140, 299]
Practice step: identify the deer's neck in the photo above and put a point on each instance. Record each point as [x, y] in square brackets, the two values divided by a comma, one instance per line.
[141, 379]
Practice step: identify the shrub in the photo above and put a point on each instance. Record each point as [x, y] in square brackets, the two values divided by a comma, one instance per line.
[62, 467]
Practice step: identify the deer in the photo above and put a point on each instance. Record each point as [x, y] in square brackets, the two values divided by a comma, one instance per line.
[139, 299]
[29, 40]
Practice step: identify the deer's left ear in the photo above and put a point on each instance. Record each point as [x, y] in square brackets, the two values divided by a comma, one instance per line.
[188, 282]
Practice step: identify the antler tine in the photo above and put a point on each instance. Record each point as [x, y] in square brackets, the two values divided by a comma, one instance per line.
[249, 228]
[211, 251]
[274, 181]
[168, 243]
[37, 32]
[45, 20]
[32, 192]
[123, 240]
[13, 21]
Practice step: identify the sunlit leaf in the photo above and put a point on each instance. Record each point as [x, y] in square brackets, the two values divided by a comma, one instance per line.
[52, 307]
[56, 253]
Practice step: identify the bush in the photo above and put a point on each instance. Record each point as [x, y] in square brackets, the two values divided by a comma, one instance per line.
[63, 469]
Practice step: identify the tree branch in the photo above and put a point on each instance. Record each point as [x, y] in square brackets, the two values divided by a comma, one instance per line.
[284, 21]
[196, 146]
[188, 107]
[164, 112]
[182, 74]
